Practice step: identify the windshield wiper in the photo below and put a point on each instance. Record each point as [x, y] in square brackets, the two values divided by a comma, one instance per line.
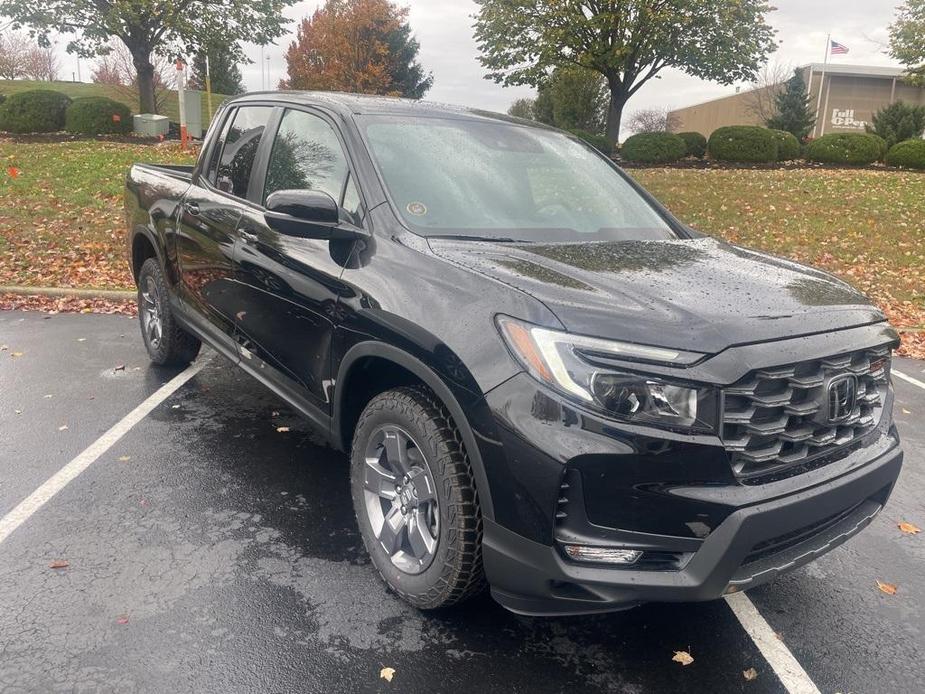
[489, 239]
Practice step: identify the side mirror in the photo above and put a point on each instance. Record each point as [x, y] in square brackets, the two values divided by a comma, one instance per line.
[310, 214]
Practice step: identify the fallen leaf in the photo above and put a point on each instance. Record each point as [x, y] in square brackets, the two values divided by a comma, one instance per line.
[888, 588]
[16, 354]
[124, 458]
[905, 411]
[282, 430]
[122, 619]
[63, 427]
[387, 673]
[750, 674]
[682, 657]
[909, 528]
[120, 367]
[59, 564]
[12, 171]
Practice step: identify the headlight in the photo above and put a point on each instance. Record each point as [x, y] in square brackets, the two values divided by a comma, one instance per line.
[577, 367]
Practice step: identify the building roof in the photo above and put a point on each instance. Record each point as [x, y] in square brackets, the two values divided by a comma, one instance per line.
[857, 70]
[830, 69]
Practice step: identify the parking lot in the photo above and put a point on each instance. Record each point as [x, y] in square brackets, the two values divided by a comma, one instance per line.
[208, 550]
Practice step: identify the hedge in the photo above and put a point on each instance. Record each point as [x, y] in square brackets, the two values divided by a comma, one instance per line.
[844, 148]
[908, 153]
[788, 146]
[745, 143]
[34, 111]
[97, 115]
[884, 145]
[599, 142]
[653, 148]
[696, 144]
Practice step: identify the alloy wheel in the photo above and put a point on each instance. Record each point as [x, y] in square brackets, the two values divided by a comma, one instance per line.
[401, 500]
[150, 309]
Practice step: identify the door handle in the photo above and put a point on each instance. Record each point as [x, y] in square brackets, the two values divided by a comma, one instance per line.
[192, 208]
[248, 237]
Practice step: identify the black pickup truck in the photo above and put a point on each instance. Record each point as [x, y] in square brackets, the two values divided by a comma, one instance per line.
[545, 382]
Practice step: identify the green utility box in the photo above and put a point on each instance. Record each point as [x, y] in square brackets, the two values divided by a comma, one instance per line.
[151, 124]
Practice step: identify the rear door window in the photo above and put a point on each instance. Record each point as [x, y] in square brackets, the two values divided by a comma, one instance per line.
[244, 132]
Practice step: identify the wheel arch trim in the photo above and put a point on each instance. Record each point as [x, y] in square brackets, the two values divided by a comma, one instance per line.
[432, 380]
[150, 237]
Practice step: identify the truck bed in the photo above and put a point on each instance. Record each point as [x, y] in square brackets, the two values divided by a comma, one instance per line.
[182, 172]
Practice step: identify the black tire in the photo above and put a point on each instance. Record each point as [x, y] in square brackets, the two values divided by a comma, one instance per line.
[455, 570]
[170, 345]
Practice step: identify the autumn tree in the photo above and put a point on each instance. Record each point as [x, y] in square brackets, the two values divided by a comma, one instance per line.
[653, 120]
[149, 28]
[224, 73]
[362, 46]
[117, 69]
[629, 42]
[907, 39]
[14, 49]
[41, 64]
[769, 82]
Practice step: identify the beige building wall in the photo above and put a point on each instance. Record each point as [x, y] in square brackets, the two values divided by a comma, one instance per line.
[849, 102]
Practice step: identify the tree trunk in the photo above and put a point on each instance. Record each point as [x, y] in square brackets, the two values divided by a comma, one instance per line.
[615, 115]
[147, 101]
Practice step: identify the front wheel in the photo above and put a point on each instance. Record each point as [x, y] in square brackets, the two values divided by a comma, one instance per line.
[167, 343]
[415, 499]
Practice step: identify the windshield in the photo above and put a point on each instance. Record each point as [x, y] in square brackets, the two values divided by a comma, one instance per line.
[496, 180]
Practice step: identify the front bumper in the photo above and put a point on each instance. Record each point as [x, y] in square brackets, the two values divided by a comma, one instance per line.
[753, 545]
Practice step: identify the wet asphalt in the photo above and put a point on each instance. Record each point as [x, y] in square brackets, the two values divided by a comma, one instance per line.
[209, 552]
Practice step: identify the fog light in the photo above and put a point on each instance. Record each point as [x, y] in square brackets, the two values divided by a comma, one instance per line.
[605, 555]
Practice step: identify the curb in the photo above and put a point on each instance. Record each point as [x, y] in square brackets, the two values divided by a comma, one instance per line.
[117, 294]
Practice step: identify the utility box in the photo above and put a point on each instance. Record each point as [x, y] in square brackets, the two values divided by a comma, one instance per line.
[151, 124]
[193, 103]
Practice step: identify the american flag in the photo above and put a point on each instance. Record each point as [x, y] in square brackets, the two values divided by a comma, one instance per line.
[839, 49]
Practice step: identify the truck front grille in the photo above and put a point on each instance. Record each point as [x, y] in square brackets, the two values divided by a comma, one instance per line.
[778, 418]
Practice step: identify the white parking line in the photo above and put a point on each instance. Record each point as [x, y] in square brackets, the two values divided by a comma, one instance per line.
[774, 650]
[65, 475]
[908, 379]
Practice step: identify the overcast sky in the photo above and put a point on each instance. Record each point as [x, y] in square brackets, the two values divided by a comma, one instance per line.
[444, 30]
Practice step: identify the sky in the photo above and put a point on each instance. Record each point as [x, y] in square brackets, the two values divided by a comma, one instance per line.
[448, 49]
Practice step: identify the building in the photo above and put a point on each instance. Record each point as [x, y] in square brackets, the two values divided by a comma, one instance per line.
[851, 94]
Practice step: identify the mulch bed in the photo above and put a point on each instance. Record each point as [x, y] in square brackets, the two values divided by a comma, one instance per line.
[794, 165]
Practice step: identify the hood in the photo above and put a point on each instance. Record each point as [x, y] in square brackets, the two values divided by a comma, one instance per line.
[695, 294]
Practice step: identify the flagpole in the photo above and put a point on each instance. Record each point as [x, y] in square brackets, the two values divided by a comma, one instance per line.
[825, 62]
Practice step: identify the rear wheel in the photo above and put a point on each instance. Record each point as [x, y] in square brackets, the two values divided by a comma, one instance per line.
[167, 343]
[415, 499]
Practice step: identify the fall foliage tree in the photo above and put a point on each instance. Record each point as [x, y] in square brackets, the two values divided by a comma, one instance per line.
[14, 51]
[149, 28]
[907, 39]
[117, 69]
[629, 42]
[362, 46]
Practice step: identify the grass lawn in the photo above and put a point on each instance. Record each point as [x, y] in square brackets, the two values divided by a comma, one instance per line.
[122, 94]
[61, 221]
[61, 218]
